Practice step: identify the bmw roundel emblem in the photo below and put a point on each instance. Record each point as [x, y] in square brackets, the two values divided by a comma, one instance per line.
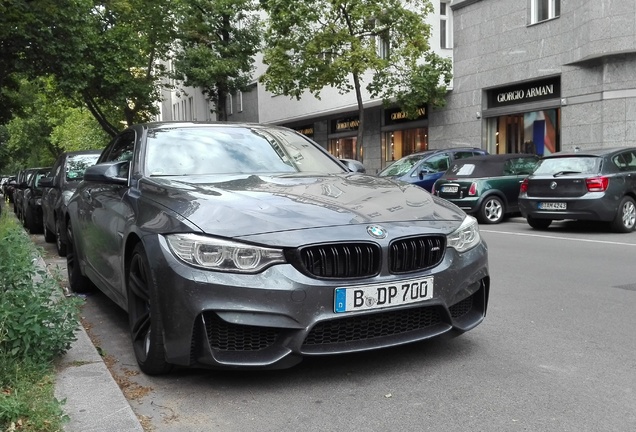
[376, 231]
[553, 185]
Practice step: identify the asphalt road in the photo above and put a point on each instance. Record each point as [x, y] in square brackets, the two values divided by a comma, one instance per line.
[555, 353]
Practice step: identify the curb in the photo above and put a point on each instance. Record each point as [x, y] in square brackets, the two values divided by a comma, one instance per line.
[93, 400]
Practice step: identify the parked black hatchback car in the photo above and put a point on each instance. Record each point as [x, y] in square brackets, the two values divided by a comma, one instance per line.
[590, 185]
[66, 174]
[247, 245]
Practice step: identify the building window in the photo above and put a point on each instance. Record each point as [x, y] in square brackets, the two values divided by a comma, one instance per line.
[445, 27]
[191, 108]
[542, 10]
[239, 101]
[383, 45]
[402, 143]
[534, 132]
[230, 108]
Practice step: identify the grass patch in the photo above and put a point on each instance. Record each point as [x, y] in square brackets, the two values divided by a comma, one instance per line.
[37, 324]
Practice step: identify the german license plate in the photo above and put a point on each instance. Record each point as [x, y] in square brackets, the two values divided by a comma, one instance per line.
[383, 295]
[552, 206]
[450, 189]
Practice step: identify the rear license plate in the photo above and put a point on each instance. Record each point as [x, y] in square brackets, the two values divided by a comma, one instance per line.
[383, 295]
[552, 206]
[450, 189]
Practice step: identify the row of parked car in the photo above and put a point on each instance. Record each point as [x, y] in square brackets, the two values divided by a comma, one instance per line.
[592, 185]
[39, 195]
[250, 246]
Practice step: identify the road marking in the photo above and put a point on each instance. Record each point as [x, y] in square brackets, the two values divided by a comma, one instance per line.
[559, 238]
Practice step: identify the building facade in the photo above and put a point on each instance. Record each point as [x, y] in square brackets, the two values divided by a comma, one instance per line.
[541, 76]
[534, 76]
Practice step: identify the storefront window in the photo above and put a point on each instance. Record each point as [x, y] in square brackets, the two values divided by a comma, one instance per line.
[402, 143]
[536, 132]
[343, 148]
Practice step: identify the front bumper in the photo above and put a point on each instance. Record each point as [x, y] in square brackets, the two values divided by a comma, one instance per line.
[272, 319]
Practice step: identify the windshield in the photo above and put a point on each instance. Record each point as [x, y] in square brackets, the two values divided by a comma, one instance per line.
[230, 150]
[77, 164]
[569, 165]
[402, 166]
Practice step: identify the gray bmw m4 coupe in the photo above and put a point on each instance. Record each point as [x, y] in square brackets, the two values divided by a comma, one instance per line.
[247, 245]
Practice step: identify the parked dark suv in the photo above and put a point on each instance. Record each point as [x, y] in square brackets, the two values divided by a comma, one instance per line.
[31, 211]
[424, 168]
[593, 185]
[66, 174]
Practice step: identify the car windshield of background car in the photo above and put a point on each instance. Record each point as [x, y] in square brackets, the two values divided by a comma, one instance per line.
[568, 165]
[231, 150]
[77, 164]
[401, 166]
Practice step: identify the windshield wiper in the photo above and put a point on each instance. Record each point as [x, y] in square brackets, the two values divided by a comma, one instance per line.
[560, 173]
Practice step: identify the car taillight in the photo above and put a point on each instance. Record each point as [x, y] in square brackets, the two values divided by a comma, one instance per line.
[597, 184]
[433, 189]
[524, 185]
[473, 189]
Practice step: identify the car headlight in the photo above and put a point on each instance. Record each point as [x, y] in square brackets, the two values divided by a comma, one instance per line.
[222, 255]
[466, 236]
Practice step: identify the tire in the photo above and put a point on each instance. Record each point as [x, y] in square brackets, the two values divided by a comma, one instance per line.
[29, 221]
[49, 237]
[539, 224]
[60, 243]
[491, 210]
[625, 216]
[78, 283]
[144, 315]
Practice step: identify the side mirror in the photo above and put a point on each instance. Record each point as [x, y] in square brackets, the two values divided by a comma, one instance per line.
[354, 165]
[46, 182]
[108, 172]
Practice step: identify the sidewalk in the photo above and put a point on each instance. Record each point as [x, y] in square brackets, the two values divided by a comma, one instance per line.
[94, 401]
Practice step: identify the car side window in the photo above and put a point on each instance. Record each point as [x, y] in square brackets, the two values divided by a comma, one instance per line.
[122, 150]
[630, 160]
[463, 154]
[434, 164]
[508, 168]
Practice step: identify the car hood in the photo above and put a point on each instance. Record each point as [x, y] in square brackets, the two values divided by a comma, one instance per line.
[242, 205]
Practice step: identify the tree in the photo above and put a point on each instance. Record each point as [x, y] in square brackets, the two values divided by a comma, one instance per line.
[47, 125]
[217, 44]
[112, 61]
[311, 44]
[104, 55]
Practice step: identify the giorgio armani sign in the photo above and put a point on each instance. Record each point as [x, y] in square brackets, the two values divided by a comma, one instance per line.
[524, 93]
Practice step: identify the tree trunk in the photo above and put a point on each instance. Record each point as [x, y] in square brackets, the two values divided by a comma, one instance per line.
[356, 84]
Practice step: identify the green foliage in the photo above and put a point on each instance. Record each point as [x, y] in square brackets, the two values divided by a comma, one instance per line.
[218, 41]
[37, 323]
[78, 130]
[36, 320]
[47, 125]
[26, 397]
[313, 44]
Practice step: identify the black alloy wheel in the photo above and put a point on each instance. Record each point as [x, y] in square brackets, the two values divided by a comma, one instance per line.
[539, 224]
[625, 217]
[144, 315]
[77, 282]
[60, 244]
